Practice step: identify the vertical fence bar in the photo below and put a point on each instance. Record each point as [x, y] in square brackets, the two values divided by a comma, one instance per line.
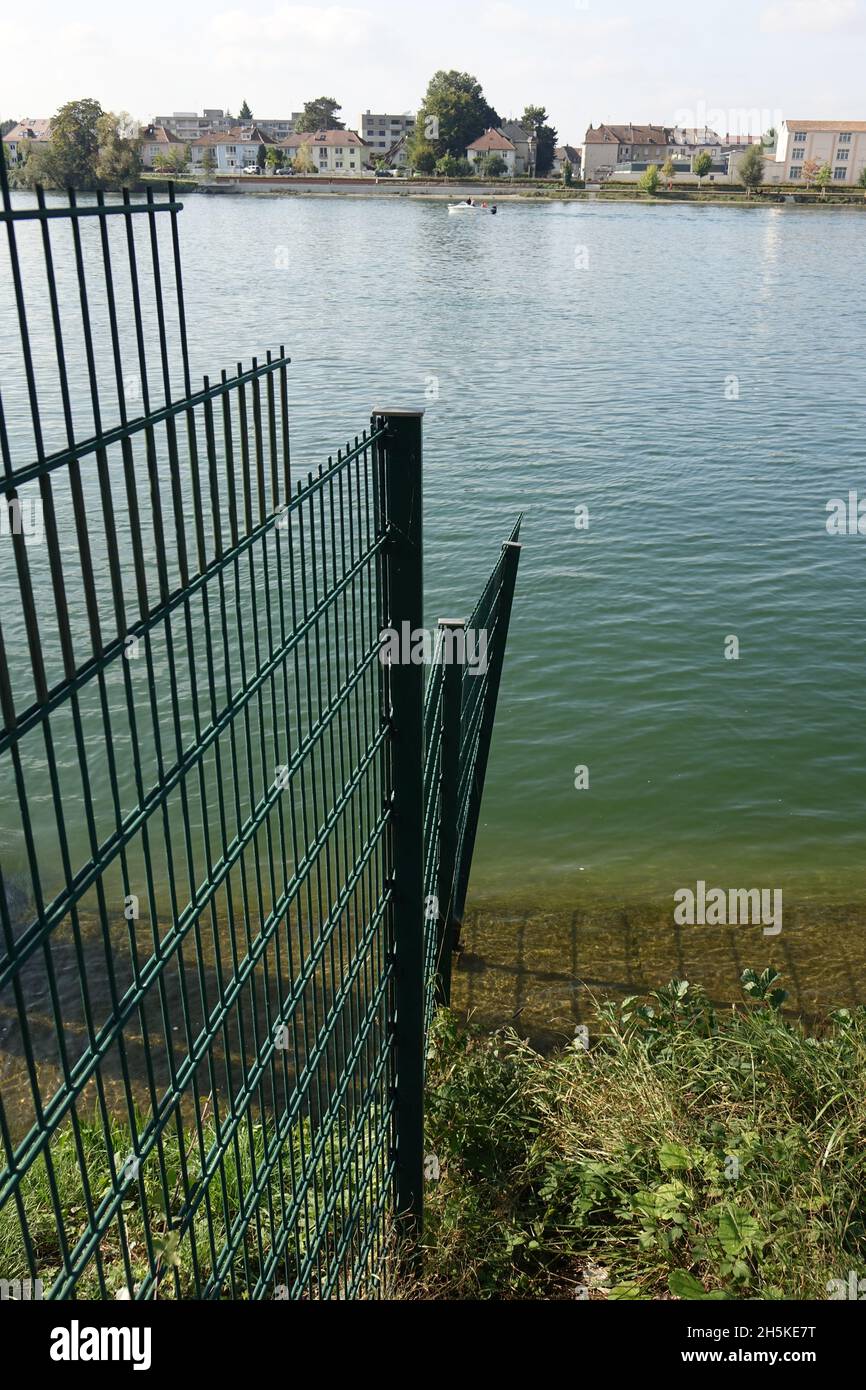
[510, 561]
[449, 771]
[400, 451]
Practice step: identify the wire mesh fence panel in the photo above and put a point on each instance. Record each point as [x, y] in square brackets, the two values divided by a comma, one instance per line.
[195, 974]
[231, 838]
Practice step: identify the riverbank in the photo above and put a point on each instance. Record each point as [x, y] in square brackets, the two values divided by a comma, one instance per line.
[674, 1151]
[264, 186]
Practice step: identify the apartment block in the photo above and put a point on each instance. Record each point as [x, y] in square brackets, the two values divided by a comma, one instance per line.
[841, 144]
[382, 132]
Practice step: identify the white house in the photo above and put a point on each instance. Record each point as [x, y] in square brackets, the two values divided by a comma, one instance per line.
[232, 150]
[493, 142]
[331, 151]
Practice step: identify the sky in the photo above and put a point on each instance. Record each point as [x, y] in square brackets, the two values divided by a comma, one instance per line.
[737, 65]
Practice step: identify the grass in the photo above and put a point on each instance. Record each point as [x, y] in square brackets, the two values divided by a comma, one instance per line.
[159, 1244]
[682, 1153]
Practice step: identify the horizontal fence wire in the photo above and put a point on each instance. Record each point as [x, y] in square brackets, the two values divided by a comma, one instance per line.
[195, 968]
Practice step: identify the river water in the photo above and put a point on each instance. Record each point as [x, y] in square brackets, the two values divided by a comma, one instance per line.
[692, 377]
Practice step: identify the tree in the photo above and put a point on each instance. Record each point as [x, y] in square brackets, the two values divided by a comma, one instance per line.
[534, 121]
[245, 114]
[567, 173]
[668, 170]
[88, 148]
[423, 159]
[701, 166]
[810, 171]
[447, 166]
[649, 179]
[273, 158]
[454, 112]
[303, 160]
[769, 138]
[861, 178]
[68, 159]
[493, 166]
[261, 157]
[823, 177]
[208, 162]
[118, 159]
[752, 168]
[319, 115]
[174, 161]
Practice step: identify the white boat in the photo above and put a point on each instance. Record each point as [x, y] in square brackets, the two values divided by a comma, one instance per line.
[471, 207]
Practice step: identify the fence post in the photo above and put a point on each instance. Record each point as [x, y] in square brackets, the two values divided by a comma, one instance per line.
[400, 452]
[449, 773]
[510, 560]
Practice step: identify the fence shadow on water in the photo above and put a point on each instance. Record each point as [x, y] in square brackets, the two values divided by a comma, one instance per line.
[235, 842]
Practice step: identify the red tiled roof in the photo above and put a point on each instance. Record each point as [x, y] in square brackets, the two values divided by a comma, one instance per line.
[158, 135]
[491, 140]
[30, 130]
[322, 137]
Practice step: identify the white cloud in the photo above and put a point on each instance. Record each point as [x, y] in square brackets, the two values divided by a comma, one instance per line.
[808, 16]
[503, 18]
[329, 26]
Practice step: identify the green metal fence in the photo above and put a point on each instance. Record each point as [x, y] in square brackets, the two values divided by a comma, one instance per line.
[235, 843]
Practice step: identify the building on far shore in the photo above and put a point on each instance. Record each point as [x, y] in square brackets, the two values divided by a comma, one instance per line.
[620, 151]
[188, 126]
[232, 150]
[491, 143]
[381, 133]
[332, 151]
[566, 154]
[841, 144]
[26, 133]
[155, 139]
[519, 137]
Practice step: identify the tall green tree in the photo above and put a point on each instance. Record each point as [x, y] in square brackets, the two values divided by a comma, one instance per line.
[261, 156]
[69, 158]
[320, 114]
[823, 177]
[208, 162]
[535, 122]
[752, 168]
[454, 112]
[88, 148]
[118, 159]
[245, 114]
